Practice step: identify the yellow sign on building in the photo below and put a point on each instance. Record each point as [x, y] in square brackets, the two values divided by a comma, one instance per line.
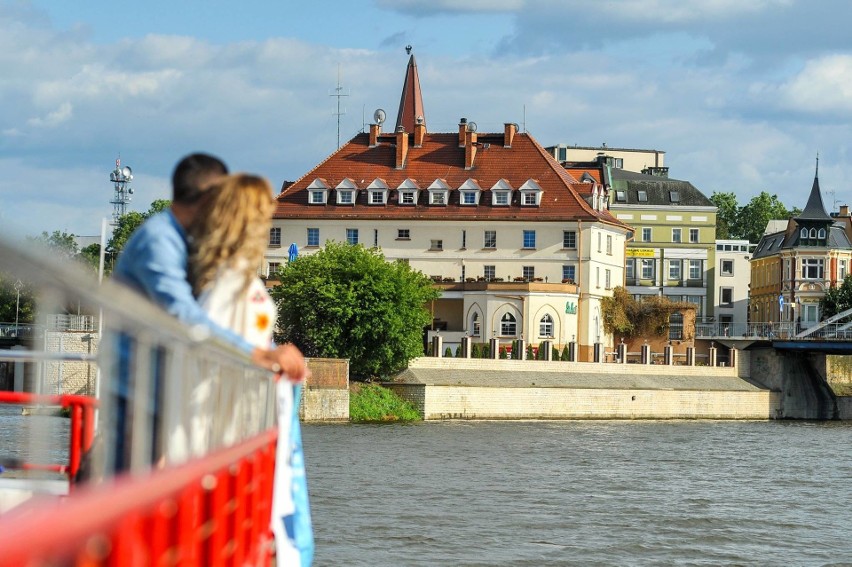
[641, 252]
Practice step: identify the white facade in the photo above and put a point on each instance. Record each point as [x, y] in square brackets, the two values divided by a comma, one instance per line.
[733, 275]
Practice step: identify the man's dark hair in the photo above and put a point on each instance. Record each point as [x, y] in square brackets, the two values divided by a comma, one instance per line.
[193, 175]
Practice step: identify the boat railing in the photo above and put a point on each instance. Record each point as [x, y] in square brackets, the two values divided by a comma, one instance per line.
[171, 399]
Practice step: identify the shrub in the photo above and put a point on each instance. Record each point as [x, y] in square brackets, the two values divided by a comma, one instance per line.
[374, 403]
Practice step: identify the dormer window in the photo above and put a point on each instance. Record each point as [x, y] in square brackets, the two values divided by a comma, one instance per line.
[469, 193]
[318, 192]
[346, 191]
[620, 196]
[377, 192]
[439, 192]
[530, 194]
[821, 234]
[501, 194]
[642, 196]
[674, 196]
[804, 233]
[408, 192]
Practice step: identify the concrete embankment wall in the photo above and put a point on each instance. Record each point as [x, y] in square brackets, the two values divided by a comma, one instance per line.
[325, 396]
[502, 389]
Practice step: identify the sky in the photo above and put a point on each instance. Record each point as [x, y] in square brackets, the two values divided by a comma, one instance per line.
[741, 96]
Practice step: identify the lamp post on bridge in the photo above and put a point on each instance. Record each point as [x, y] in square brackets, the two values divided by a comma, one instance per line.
[18, 286]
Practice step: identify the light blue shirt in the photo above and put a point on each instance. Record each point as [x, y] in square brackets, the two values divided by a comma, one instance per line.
[154, 263]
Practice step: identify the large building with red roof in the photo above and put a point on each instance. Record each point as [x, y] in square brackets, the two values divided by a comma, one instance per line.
[519, 246]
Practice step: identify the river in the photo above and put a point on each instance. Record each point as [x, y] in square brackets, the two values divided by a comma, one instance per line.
[581, 493]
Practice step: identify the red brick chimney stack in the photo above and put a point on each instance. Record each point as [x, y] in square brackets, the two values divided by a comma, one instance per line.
[419, 132]
[375, 130]
[469, 149]
[509, 131]
[462, 131]
[401, 147]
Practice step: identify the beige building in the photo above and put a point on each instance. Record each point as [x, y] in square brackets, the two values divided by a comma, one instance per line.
[636, 160]
[519, 247]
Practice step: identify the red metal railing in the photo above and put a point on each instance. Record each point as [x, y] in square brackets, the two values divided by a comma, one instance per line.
[82, 428]
[212, 511]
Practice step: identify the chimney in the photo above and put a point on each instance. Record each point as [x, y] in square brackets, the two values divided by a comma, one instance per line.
[462, 131]
[419, 132]
[375, 130]
[401, 147]
[844, 210]
[509, 131]
[469, 149]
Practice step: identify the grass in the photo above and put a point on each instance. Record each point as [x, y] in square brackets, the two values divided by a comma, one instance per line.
[374, 403]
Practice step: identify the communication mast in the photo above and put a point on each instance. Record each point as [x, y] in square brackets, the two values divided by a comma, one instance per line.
[120, 178]
[338, 93]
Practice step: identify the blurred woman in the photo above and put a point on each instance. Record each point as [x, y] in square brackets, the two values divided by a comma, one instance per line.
[227, 242]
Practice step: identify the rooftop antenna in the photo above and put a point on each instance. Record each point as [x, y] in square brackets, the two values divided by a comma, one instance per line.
[525, 118]
[338, 93]
[120, 178]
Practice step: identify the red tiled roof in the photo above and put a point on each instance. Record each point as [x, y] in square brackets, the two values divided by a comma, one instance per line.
[440, 157]
[411, 101]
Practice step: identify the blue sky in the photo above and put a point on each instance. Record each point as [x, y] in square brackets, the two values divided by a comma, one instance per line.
[740, 95]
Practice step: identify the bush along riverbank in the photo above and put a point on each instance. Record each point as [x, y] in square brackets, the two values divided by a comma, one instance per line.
[373, 403]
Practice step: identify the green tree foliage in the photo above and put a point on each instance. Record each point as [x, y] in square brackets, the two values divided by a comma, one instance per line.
[448, 352]
[90, 256]
[565, 354]
[726, 216]
[61, 244]
[372, 403]
[9, 300]
[128, 223]
[754, 216]
[837, 299]
[347, 301]
[476, 351]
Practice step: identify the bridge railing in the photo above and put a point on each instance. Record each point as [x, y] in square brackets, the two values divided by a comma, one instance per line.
[177, 407]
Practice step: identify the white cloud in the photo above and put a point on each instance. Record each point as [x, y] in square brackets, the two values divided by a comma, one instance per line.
[823, 86]
[53, 118]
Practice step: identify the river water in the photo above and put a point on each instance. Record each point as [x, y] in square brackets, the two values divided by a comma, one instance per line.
[581, 493]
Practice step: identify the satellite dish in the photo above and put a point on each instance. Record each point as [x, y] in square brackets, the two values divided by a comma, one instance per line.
[127, 172]
[379, 116]
[471, 126]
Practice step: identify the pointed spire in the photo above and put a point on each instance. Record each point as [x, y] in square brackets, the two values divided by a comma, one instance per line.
[411, 102]
[815, 210]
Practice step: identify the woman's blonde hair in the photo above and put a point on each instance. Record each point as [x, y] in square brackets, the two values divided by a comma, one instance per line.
[230, 229]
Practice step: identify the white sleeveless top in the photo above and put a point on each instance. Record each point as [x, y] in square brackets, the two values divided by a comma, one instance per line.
[250, 312]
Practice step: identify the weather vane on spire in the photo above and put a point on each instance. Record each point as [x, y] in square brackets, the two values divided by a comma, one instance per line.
[408, 49]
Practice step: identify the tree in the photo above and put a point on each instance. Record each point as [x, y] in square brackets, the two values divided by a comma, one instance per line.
[726, 216]
[837, 299]
[60, 243]
[90, 256]
[128, 223]
[9, 303]
[347, 301]
[754, 216]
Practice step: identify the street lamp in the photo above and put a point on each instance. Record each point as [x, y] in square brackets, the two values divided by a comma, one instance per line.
[18, 286]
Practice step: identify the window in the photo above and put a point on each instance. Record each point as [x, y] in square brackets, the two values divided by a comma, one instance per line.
[436, 245]
[403, 234]
[598, 276]
[676, 232]
[695, 269]
[275, 236]
[804, 233]
[600, 237]
[475, 325]
[313, 237]
[489, 272]
[273, 269]
[437, 198]
[345, 197]
[642, 196]
[464, 242]
[609, 244]
[508, 325]
[727, 296]
[647, 269]
[693, 235]
[317, 197]
[630, 269]
[674, 196]
[812, 268]
[676, 327]
[674, 269]
[813, 233]
[569, 239]
[529, 198]
[490, 239]
[821, 234]
[352, 235]
[698, 301]
[375, 238]
[529, 239]
[377, 197]
[620, 196]
[568, 272]
[727, 267]
[407, 198]
[545, 326]
[468, 198]
[841, 274]
[530, 193]
[501, 198]
[646, 234]
[608, 279]
[529, 273]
